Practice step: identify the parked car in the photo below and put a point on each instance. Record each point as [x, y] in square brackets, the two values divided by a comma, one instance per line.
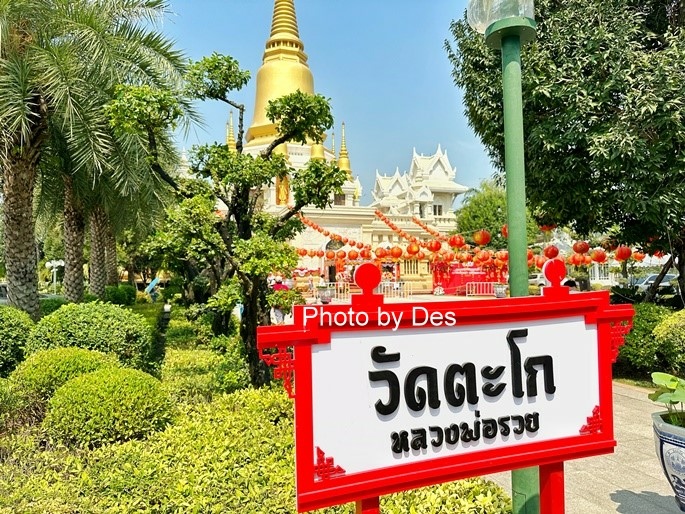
[537, 279]
[645, 282]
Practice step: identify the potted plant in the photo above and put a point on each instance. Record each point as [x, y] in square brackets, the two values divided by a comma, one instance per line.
[669, 431]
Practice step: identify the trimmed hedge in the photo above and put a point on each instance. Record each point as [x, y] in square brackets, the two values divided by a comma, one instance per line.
[15, 327]
[123, 294]
[199, 375]
[102, 327]
[641, 354]
[669, 335]
[231, 455]
[42, 373]
[106, 406]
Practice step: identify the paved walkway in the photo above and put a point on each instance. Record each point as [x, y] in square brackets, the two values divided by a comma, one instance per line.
[630, 480]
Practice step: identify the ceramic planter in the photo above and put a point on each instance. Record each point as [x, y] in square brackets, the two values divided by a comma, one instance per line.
[670, 449]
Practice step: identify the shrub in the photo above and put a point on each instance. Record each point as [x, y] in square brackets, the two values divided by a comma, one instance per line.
[640, 355]
[669, 335]
[42, 373]
[198, 375]
[105, 406]
[15, 326]
[49, 305]
[123, 294]
[142, 297]
[99, 326]
[9, 405]
[249, 468]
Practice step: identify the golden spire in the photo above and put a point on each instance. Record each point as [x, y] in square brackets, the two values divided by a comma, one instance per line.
[333, 144]
[344, 158]
[230, 136]
[284, 70]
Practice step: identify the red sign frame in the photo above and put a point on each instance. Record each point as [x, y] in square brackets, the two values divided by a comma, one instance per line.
[322, 483]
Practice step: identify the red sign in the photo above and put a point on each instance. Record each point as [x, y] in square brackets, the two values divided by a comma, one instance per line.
[390, 397]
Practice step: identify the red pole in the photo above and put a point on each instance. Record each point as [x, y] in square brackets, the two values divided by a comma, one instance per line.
[368, 506]
[552, 488]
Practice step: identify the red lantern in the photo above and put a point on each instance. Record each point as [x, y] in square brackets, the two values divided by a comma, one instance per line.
[481, 237]
[449, 256]
[351, 242]
[530, 254]
[505, 231]
[420, 255]
[360, 245]
[311, 253]
[330, 254]
[434, 245]
[638, 256]
[540, 260]
[599, 255]
[581, 247]
[622, 253]
[551, 251]
[365, 253]
[326, 233]
[412, 249]
[352, 255]
[341, 254]
[547, 228]
[380, 252]
[396, 252]
[456, 241]
[319, 253]
[301, 252]
[576, 259]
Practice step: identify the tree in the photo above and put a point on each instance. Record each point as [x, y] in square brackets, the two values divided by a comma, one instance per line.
[252, 241]
[59, 62]
[486, 208]
[603, 115]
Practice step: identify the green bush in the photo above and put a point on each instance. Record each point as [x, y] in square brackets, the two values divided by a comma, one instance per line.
[9, 405]
[123, 294]
[233, 455]
[99, 326]
[15, 327]
[641, 353]
[669, 336]
[42, 373]
[49, 305]
[105, 406]
[198, 375]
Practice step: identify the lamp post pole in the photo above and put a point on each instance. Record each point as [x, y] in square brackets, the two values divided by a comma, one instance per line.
[507, 26]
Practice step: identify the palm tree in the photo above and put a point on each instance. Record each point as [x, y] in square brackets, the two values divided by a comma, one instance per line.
[59, 63]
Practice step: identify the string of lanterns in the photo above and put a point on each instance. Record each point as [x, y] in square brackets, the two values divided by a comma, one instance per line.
[486, 259]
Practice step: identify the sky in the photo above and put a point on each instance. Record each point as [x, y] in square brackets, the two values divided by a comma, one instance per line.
[382, 63]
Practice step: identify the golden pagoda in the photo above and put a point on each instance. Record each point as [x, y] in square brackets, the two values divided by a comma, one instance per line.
[284, 70]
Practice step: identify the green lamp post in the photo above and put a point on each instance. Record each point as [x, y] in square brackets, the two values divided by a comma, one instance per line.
[507, 24]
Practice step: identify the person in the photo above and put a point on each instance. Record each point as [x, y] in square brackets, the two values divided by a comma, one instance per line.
[278, 309]
[310, 283]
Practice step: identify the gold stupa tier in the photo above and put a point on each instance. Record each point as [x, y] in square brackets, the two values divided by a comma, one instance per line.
[284, 70]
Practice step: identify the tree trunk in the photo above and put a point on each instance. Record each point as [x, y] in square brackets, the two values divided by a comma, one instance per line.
[111, 261]
[255, 314]
[20, 244]
[650, 296]
[96, 270]
[74, 236]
